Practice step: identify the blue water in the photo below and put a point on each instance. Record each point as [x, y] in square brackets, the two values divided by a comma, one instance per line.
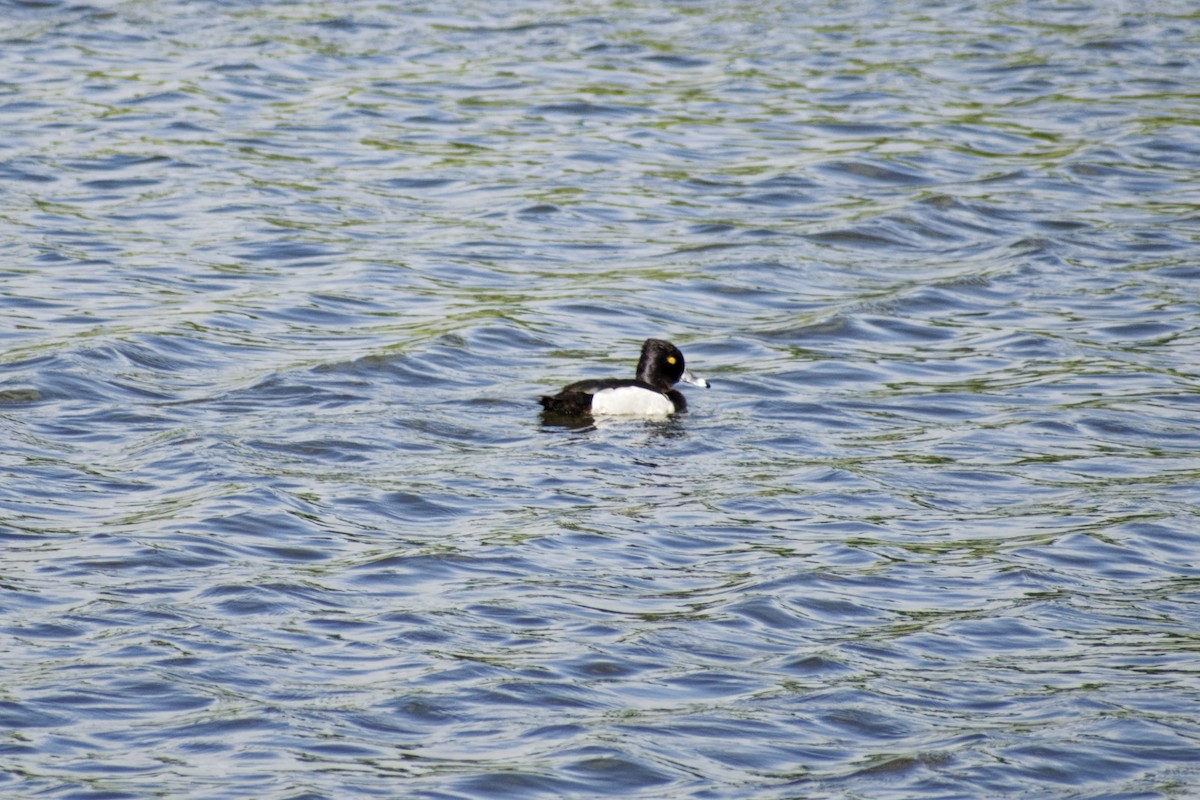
[281, 283]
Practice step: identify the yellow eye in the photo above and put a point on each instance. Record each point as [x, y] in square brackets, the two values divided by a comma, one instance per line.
[670, 359]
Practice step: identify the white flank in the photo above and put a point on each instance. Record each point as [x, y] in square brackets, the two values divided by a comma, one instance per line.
[631, 401]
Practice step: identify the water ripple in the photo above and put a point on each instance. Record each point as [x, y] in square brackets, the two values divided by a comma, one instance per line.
[281, 288]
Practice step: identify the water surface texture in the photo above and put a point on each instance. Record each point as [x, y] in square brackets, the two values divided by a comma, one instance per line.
[282, 281]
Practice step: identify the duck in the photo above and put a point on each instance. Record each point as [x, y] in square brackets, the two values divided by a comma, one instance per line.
[650, 394]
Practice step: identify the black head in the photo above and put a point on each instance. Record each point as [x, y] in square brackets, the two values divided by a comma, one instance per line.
[662, 366]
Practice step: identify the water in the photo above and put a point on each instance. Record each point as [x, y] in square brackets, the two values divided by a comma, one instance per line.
[281, 283]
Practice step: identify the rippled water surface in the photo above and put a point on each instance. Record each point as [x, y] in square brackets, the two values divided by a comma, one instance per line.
[282, 281]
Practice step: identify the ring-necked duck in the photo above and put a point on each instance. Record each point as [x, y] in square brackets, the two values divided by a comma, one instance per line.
[649, 395]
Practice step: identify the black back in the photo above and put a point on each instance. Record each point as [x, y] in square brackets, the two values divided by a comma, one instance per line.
[577, 397]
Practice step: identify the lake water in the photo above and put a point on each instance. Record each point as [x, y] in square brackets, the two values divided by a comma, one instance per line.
[282, 281]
